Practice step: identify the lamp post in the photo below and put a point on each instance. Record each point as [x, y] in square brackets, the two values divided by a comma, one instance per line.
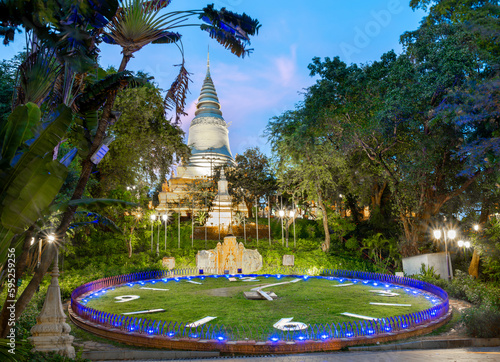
[257, 220]
[269, 218]
[165, 219]
[153, 218]
[447, 234]
[281, 213]
[292, 215]
[465, 245]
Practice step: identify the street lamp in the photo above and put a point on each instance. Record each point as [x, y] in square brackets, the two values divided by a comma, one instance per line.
[292, 215]
[165, 219]
[153, 218]
[281, 213]
[465, 245]
[447, 234]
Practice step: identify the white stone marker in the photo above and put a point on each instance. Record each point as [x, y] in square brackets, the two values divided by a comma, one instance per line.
[145, 311]
[359, 316]
[200, 322]
[126, 298]
[392, 304]
[152, 288]
[343, 285]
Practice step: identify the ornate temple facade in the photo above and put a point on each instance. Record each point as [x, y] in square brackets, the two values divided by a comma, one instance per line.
[209, 143]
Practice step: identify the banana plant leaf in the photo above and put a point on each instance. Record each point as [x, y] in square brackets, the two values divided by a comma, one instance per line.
[18, 129]
[29, 197]
[43, 144]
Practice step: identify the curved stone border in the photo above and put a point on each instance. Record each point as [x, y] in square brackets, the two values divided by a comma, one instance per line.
[225, 339]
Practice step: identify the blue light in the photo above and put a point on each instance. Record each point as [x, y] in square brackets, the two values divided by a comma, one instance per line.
[387, 286]
[387, 328]
[194, 335]
[274, 339]
[220, 338]
[202, 278]
[131, 328]
[278, 276]
[366, 281]
[150, 331]
[141, 282]
[306, 277]
[176, 279]
[433, 313]
[301, 337]
[370, 331]
[404, 325]
[375, 284]
[349, 334]
[130, 284]
[153, 282]
[171, 334]
[165, 280]
[324, 336]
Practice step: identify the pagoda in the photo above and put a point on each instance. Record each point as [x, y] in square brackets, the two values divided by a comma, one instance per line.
[208, 139]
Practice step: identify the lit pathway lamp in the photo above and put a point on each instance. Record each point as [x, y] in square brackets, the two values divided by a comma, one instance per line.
[153, 218]
[165, 219]
[447, 234]
[51, 332]
[465, 245]
[281, 213]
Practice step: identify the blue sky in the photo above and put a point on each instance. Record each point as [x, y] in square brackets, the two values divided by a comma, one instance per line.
[270, 81]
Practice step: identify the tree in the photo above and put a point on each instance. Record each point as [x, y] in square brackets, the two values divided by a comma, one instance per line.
[65, 34]
[146, 144]
[251, 179]
[307, 161]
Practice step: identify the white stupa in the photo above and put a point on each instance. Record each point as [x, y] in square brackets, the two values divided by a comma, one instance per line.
[208, 135]
[209, 142]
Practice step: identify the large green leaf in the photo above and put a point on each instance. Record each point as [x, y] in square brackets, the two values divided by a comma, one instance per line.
[45, 142]
[31, 193]
[18, 129]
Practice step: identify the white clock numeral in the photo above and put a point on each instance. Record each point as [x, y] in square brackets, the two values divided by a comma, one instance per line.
[286, 324]
[125, 298]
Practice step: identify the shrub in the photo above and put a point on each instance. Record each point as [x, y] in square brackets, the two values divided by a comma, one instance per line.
[482, 322]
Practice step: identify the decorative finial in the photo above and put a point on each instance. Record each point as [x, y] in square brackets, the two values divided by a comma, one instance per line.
[208, 61]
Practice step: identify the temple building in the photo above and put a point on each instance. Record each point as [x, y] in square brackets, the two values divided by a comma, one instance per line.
[209, 143]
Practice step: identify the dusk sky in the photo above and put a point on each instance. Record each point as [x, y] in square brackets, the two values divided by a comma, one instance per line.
[270, 81]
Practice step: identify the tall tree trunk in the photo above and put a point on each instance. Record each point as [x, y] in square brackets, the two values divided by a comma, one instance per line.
[483, 218]
[67, 217]
[377, 193]
[249, 205]
[326, 245]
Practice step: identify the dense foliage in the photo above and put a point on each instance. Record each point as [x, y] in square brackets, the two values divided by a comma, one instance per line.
[412, 136]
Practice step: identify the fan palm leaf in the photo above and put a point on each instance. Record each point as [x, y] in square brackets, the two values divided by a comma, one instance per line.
[138, 23]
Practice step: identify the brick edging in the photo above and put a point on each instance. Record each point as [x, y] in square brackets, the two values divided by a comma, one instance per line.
[249, 347]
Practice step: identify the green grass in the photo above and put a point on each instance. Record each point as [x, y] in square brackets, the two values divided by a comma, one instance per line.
[311, 301]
